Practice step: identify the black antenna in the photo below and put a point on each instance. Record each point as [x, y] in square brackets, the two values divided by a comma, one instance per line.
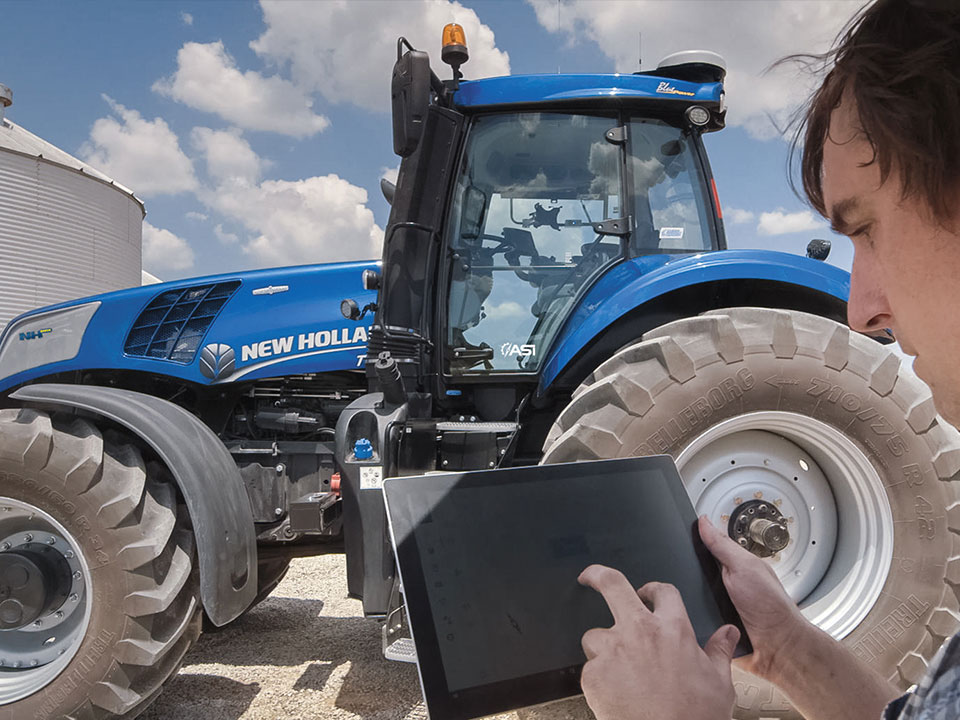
[640, 49]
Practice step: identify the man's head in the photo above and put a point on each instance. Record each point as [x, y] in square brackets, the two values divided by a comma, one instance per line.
[881, 160]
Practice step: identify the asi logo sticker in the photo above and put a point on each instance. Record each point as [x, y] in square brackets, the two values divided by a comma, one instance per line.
[217, 360]
[512, 349]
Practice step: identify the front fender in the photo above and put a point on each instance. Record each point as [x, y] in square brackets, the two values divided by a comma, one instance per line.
[630, 284]
[205, 473]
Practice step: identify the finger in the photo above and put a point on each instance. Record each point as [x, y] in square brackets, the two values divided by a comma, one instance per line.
[665, 600]
[720, 648]
[619, 594]
[594, 642]
[719, 543]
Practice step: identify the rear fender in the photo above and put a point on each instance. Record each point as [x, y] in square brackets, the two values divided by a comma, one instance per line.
[205, 473]
[631, 284]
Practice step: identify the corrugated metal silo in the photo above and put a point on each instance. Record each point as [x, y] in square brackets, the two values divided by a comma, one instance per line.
[66, 229]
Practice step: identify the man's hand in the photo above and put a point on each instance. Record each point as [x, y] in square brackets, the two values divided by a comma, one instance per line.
[648, 666]
[770, 617]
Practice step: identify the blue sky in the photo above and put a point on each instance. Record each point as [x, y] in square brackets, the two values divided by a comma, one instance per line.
[257, 133]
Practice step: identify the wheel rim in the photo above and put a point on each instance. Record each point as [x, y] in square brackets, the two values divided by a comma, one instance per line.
[47, 634]
[841, 535]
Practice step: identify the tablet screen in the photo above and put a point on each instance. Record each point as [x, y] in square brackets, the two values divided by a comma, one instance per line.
[490, 562]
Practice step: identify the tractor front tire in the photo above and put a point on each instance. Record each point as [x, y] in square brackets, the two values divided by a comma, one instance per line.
[820, 426]
[86, 518]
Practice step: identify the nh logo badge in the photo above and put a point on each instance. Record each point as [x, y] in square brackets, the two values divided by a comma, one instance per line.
[217, 361]
[35, 334]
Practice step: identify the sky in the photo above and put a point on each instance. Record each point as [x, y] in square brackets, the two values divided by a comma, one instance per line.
[256, 133]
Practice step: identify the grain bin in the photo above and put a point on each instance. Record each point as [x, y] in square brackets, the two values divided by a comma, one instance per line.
[66, 229]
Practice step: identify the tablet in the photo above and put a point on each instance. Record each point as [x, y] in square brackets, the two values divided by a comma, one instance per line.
[489, 562]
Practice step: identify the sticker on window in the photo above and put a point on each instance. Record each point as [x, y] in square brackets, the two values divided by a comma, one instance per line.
[667, 233]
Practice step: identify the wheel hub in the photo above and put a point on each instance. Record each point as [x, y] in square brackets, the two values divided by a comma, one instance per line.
[33, 581]
[44, 599]
[826, 506]
[759, 527]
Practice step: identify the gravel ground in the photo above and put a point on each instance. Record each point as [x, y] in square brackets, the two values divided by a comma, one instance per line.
[305, 652]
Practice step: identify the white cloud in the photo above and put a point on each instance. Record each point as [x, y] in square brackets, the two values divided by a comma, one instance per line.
[390, 174]
[327, 54]
[227, 238]
[198, 216]
[507, 310]
[289, 222]
[317, 219]
[736, 216]
[783, 223]
[750, 35]
[208, 79]
[186, 18]
[162, 250]
[228, 155]
[144, 155]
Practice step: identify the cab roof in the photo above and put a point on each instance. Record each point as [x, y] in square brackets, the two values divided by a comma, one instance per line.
[553, 89]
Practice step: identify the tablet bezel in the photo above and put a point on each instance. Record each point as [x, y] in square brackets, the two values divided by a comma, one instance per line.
[523, 691]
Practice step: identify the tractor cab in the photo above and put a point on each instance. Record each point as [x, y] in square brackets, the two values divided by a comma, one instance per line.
[515, 194]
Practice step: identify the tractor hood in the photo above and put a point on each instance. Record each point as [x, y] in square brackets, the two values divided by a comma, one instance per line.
[208, 330]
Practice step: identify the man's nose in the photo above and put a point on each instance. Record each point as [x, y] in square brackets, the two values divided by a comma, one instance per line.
[867, 309]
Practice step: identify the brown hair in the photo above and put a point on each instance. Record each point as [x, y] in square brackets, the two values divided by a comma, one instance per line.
[899, 60]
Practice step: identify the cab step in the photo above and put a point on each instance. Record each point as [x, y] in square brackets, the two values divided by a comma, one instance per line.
[402, 650]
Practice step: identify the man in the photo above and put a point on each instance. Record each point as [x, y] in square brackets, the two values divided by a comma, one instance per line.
[881, 160]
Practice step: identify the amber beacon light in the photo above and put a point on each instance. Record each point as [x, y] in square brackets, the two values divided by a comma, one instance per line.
[454, 51]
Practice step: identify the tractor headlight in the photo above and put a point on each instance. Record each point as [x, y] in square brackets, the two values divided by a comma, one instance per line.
[697, 115]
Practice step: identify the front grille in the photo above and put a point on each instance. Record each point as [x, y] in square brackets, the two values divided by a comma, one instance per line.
[173, 325]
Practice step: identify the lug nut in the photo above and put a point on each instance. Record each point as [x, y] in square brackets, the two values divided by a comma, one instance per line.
[5, 546]
[51, 541]
[28, 537]
[77, 575]
[742, 541]
[68, 554]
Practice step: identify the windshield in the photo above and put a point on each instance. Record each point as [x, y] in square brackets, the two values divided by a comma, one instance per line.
[531, 189]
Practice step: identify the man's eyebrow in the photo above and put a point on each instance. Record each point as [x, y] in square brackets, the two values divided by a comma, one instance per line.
[839, 211]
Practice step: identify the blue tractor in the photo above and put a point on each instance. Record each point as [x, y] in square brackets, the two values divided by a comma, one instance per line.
[555, 285]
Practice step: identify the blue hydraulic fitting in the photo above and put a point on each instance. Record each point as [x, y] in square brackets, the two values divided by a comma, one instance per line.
[363, 449]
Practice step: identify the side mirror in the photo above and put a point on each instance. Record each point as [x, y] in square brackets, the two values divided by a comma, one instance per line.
[388, 189]
[818, 249]
[410, 92]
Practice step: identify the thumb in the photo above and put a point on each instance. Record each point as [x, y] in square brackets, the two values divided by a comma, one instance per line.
[720, 647]
[719, 543]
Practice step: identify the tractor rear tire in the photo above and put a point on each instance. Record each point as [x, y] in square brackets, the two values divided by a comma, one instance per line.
[757, 403]
[94, 508]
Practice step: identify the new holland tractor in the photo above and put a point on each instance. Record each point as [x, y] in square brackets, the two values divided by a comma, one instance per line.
[554, 286]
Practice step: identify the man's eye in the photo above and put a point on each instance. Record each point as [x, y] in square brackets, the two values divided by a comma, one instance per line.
[862, 232]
